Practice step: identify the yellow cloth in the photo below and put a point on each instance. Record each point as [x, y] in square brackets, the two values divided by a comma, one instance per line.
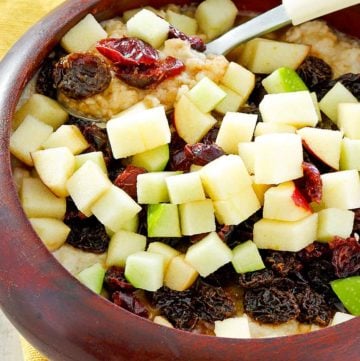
[29, 353]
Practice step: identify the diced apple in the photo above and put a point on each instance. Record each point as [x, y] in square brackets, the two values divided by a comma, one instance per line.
[260, 190]
[153, 160]
[348, 291]
[336, 95]
[263, 56]
[239, 79]
[96, 157]
[284, 235]
[278, 158]
[29, 137]
[51, 231]
[162, 321]
[247, 154]
[68, 136]
[184, 188]
[209, 254]
[54, 166]
[122, 245]
[191, 124]
[165, 250]
[218, 187]
[163, 220]
[269, 128]
[295, 108]
[39, 202]
[180, 275]
[316, 105]
[87, 185]
[231, 102]
[42, 108]
[114, 208]
[93, 277]
[236, 327]
[215, 17]
[145, 270]
[184, 23]
[127, 15]
[138, 27]
[247, 258]
[238, 207]
[285, 203]
[349, 119]
[341, 189]
[152, 189]
[83, 35]
[202, 212]
[235, 128]
[349, 157]
[334, 222]
[19, 173]
[147, 103]
[340, 317]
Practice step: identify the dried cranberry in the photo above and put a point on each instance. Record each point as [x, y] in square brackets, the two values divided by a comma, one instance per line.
[195, 42]
[283, 263]
[257, 279]
[127, 51]
[210, 137]
[81, 75]
[127, 180]
[202, 154]
[115, 280]
[129, 301]
[179, 161]
[346, 256]
[310, 185]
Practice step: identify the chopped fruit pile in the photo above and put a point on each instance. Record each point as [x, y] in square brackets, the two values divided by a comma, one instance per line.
[222, 212]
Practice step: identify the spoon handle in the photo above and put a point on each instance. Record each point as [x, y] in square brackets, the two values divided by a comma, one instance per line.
[300, 11]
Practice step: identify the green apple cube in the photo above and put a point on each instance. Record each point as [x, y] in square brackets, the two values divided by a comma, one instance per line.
[138, 27]
[263, 56]
[190, 122]
[131, 225]
[341, 189]
[96, 157]
[202, 212]
[235, 128]
[348, 119]
[218, 187]
[247, 154]
[336, 95]
[184, 188]
[278, 158]
[68, 136]
[162, 248]
[239, 79]
[334, 222]
[215, 17]
[22, 145]
[180, 275]
[138, 132]
[269, 128]
[283, 80]
[285, 203]
[348, 291]
[209, 254]
[349, 157]
[145, 270]
[152, 189]
[206, 95]
[87, 185]
[54, 167]
[284, 235]
[184, 23]
[153, 160]
[163, 220]
[93, 277]
[238, 207]
[294, 108]
[247, 258]
[51, 231]
[235, 327]
[340, 317]
[231, 103]
[39, 202]
[114, 208]
[42, 108]
[122, 245]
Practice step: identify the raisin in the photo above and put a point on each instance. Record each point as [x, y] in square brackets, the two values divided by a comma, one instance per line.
[129, 301]
[314, 252]
[225, 276]
[127, 180]
[257, 279]
[81, 75]
[257, 94]
[270, 305]
[195, 42]
[314, 71]
[115, 280]
[202, 154]
[345, 256]
[283, 263]
[310, 185]
[356, 228]
[211, 135]
[45, 80]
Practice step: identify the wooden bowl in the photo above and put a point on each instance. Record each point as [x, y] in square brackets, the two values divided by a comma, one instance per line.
[62, 318]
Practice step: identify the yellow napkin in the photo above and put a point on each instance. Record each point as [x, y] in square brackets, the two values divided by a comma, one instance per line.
[29, 353]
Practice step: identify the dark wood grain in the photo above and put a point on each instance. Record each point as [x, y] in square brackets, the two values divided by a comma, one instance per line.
[62, 318]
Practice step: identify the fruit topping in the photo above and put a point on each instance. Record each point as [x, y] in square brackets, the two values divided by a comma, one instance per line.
[195, 42]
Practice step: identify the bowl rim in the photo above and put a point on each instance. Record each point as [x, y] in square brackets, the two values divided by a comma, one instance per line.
[53, 334]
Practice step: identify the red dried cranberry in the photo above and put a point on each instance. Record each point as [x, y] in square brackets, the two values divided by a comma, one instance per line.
[195, 42]
[202, 154]
[127, 179]
[129, 301]
[115, 280]
[310, 185]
